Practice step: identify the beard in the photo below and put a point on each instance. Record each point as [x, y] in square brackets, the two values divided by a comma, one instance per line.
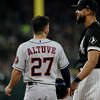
[81, 20]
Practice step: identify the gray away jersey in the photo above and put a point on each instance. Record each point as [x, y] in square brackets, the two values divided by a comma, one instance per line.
[40, 60]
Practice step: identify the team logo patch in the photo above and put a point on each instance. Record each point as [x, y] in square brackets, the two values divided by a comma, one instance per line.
[93, 40]
[16, 60]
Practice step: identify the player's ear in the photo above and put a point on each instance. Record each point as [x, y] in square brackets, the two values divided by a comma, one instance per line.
[88, 11]
[46, 29]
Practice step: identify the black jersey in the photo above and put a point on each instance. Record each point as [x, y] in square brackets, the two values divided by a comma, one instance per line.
[90, 40]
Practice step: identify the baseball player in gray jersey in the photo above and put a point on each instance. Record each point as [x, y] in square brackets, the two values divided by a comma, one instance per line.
[89, 55]
[39, 61]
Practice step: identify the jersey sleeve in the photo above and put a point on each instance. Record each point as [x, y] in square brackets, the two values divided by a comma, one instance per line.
[19, 62]
[94, 42]
[63, 60]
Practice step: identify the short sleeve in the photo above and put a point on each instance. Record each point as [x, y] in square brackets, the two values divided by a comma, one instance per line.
[19, 62]
[63, 60]
[94, 42]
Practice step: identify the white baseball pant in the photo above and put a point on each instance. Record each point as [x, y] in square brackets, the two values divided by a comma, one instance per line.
[89, 88]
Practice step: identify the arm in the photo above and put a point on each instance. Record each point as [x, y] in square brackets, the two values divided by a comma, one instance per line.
[63, 63]
[66, 76]
[15, 77]
[93, 57]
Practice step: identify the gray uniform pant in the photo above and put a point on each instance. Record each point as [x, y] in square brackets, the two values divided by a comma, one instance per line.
[40, 92]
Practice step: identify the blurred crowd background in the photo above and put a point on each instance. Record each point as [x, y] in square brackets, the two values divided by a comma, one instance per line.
[15, 28]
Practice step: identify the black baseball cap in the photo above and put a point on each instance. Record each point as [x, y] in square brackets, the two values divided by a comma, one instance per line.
[89, 4]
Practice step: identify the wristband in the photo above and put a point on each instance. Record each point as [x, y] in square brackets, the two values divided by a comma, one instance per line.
[76, 80]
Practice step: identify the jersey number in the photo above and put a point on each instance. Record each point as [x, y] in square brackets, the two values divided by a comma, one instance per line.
[39, 64]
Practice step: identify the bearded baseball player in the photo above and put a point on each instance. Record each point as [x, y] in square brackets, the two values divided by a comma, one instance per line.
[86, 85]
[39, 60]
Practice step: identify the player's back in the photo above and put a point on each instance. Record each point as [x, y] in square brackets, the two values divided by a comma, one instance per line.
[41, 60]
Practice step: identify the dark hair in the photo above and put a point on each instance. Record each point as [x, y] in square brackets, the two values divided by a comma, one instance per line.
[39, 23]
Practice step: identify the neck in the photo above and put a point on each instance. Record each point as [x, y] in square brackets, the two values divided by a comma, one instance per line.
[42, 36]
[89, 20]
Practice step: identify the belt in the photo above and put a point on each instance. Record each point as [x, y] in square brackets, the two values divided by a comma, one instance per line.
[35, 83]
[31, 83]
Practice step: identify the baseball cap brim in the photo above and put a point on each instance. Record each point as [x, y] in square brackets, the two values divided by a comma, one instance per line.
[77, 7]
[74, 6]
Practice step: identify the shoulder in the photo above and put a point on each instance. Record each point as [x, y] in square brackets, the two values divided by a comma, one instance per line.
[23, 45]
[57, 44]
[93, 30]
[96, 25]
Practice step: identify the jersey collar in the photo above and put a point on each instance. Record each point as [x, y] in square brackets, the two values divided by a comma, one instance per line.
[39, 40]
